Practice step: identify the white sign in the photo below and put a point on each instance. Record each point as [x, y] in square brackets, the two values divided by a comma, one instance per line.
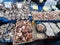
[19, 5]
[8, 4]
[50, 3]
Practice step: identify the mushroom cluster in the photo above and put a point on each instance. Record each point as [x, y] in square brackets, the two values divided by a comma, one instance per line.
[8, 32]
[15, 12]
[54, 15]
[23, 32]
[24, 12]
[40, 28]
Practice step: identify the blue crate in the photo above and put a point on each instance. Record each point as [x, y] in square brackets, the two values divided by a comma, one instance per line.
[13, 1]
[5, 20]
[30, 18]
[39, 21]
[3, 40]
[7, 41]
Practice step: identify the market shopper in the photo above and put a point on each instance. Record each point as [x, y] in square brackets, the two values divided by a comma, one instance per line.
[58, 4]
[38, 1]
[38, 4]
[50, 5]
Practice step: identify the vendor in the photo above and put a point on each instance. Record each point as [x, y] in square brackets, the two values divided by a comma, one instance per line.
[50, 4]
[38, 4]
[46, 5]
[58, 4]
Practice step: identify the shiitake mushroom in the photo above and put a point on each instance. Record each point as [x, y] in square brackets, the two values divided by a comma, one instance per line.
[40, 28]
[26, 31]
[29, 36]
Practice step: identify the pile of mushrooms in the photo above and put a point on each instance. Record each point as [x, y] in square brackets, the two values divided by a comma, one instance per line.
[8, 32]
[54, 15]
[40, 28]
[23, 31]
[16, 13]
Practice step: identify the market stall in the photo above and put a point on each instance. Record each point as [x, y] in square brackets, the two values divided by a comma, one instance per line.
[20, 25]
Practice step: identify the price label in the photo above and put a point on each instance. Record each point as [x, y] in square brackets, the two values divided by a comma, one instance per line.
[19, 5]
[8, 4]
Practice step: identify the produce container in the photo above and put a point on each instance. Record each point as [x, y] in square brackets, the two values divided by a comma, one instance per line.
[8, 32]
[24, 32]
[44, 16]
[40, 30]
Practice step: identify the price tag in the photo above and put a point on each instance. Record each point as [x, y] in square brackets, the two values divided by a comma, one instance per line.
[35, 7]
[19, 5]
[8, 4]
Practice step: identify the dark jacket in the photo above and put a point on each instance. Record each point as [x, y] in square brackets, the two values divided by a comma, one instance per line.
[37, 1]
